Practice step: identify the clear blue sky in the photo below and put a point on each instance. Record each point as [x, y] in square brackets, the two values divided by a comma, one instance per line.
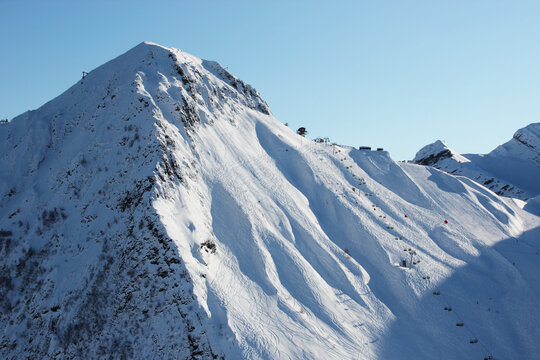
[396, 74]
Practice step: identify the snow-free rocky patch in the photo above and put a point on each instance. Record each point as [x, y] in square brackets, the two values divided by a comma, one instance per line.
[157, 209]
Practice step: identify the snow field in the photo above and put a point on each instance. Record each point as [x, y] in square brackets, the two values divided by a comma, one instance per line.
[192, 210]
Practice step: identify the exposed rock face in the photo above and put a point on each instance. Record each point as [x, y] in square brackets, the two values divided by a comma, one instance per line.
[433, 159]
[432, 154]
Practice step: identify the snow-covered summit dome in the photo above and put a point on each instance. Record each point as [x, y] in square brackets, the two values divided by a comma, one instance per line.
[525, 144]
[435, 152]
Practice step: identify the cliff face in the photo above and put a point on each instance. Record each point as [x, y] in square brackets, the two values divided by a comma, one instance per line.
[156, 209]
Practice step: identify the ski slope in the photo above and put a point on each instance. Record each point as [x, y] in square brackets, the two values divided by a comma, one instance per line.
[187, 222]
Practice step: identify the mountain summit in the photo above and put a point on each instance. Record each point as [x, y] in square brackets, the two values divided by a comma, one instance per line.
[512, 169]
[157, 209]
[434, 153]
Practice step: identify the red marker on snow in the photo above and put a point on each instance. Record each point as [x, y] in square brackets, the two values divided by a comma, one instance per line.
[446, 221]
[405, 215]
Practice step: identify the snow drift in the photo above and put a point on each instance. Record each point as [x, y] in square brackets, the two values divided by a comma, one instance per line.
[158, 209]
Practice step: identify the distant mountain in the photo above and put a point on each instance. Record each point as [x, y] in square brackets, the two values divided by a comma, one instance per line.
[157, 210]
[512, 169]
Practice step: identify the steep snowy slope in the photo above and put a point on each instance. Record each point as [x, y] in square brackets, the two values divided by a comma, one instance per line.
[512, 169]
[158, 210]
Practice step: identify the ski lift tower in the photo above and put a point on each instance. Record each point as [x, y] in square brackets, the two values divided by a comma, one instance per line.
[412, 253]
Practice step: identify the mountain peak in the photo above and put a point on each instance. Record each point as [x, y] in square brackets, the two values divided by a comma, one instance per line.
[525, 143]
[190, 69]
[511, 169]
[156, 209]
[91, 164]
[191, 89]
[435, 152]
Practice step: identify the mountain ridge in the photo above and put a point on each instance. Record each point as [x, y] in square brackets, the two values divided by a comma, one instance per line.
[157, 208]
[509, 170]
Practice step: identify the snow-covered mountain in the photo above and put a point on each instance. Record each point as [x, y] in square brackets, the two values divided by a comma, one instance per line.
[157, 209]
[512, 169]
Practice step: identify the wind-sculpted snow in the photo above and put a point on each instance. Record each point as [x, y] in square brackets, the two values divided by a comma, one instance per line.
[157, 210]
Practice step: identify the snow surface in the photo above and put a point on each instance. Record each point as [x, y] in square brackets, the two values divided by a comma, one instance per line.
[435, 152]
[157, 209]
[512, 169]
